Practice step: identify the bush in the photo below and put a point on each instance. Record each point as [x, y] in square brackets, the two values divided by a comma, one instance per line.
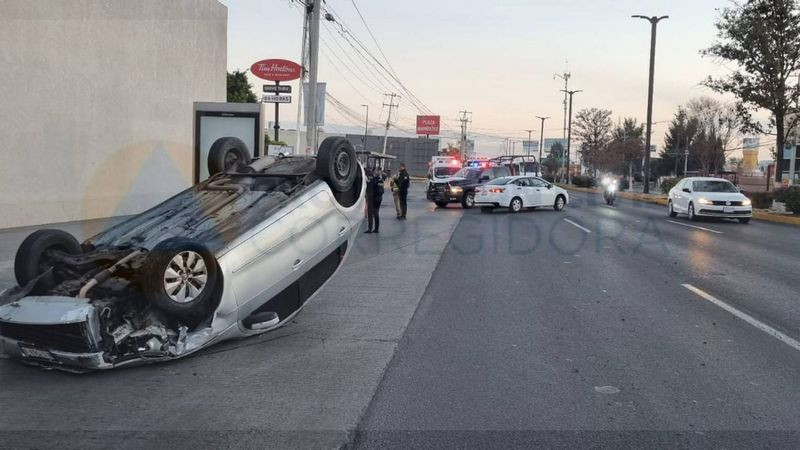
[669, 183]
[792, 199]
[782, 193]
[584, 181]
[761, 200]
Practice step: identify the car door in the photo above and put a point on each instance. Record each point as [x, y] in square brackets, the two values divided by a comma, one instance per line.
[522, 189]
[681, 201]
[541, 194]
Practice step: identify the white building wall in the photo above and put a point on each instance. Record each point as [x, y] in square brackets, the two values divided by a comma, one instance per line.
[96, 103]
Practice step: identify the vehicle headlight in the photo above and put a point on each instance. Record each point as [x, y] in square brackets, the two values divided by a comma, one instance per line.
[612, 187]
[456, 189]
[746, 202]
[705, 201]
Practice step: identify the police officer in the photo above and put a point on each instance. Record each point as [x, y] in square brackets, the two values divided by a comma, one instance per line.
[374, 199]
[403, 184]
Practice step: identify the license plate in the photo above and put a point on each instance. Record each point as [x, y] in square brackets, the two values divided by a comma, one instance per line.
[31, 352]
[727, 209]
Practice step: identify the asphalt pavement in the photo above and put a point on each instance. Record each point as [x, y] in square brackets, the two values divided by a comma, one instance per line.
[599, 327]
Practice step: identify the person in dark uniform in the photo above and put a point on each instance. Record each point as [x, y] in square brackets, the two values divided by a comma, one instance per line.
[403, 184]
[374, 199]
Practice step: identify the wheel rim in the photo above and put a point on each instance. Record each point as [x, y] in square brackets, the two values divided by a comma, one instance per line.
[669, 208]
[516, 205]
[342, 164]
[470, 200]
[691, 211]
[560, 203]
[185, 277]
[231, 159]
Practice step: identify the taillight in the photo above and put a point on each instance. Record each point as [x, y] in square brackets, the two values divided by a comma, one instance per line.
[497, 190]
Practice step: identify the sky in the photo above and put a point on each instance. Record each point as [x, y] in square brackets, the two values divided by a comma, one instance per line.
[496, 59]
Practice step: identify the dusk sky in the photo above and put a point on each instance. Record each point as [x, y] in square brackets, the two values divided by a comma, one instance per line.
[496, 59]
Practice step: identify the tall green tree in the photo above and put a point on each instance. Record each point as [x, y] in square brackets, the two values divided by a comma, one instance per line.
[624, 150]
[239, 89]
[760, 38]
[592, 128]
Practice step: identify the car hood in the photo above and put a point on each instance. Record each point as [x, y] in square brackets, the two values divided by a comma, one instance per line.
[721, 196]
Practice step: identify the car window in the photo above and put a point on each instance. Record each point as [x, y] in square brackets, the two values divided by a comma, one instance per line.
[501, 172]
[713, 186]
[500, 181]
[538, 182]
[522, 182]
[467, 172]
[444, 171]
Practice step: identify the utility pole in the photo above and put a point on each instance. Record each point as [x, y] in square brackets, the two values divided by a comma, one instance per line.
[569, 132]
[366, 127]
[514, 147]
[565, 76]
[529, 141]
[303, 73]
[541, 141]
[465, 117]
[653, 24]
[313, 9]
[390, 105]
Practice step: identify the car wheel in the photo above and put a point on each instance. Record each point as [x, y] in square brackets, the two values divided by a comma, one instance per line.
[180, 277]
[671, 209]
[744, 220]
[691, 214]
[487, 209]
[560, 203]
[515, 205]
[33, 255]
[468, 200]
[227, 153]
[441, 204]
[337, 163]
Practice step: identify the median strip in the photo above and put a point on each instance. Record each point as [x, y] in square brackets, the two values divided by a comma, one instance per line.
[746, 317]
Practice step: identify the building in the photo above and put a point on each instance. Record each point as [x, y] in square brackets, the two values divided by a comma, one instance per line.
[416, 153]
[97, 103]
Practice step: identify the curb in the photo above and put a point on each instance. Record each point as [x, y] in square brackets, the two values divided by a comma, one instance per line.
[757, 215]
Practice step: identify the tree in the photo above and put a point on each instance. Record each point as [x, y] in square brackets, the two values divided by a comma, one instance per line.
[760, 37]
[680, 135]
[555, 159]
[592, 128]
[239, 89]
[624, 151]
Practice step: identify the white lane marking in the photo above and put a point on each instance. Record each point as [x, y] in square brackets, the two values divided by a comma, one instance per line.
[579, 226]
[609, 206]
[746, 317]
[695, 226]
[4, 265]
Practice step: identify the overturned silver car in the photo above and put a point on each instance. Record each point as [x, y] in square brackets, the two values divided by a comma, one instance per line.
[234, 256]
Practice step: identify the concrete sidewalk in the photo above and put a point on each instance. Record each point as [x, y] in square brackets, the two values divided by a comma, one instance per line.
[305, 385]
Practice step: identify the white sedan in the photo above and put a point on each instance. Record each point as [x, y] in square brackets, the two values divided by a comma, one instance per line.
[709, 197]
[518, 192]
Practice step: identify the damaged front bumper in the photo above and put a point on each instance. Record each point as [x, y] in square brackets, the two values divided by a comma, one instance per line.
[65, 333]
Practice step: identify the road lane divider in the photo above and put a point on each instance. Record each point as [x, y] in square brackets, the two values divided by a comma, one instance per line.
[695, 226]
[578, 225]
[746, 317]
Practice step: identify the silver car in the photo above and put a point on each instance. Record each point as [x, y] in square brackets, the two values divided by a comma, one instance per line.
[234, 256]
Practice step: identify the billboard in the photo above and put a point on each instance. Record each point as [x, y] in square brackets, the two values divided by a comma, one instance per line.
[428, 124]
[531, 147]
[276, 70]
[550, 142]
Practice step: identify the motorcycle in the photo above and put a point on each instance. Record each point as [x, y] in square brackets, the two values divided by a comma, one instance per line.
[610, 191]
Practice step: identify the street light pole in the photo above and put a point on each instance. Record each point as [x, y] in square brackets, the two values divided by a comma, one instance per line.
[313, 10]
[529, 141]
[541, 141]
[569, 132]
[366, 127]
[653, 25]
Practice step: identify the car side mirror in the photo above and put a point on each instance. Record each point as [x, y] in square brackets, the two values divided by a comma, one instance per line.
[549, 186]
[687, 190]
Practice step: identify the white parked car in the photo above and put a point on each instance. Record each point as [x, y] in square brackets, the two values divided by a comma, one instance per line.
[709, 197]
[518, 192]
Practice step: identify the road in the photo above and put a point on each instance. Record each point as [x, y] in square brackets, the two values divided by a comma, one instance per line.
[599, 326]
[594, 327]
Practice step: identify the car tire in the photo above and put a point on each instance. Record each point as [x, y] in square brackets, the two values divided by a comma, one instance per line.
[515, 205]
[468, 200]
[227, 153]
[441, 204]
[744, 220]
[690, 213]
[337, 163]
[31, 259]
[560, 203]
[671, 209]
[487, 209]
[180, 277]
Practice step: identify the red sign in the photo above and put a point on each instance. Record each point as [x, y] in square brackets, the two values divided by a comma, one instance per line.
[276, 70]
[428, 124]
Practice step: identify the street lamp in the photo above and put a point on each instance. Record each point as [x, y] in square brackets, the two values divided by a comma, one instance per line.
[653, 24]
[541, 141]
[366, 127]
[569, 131]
